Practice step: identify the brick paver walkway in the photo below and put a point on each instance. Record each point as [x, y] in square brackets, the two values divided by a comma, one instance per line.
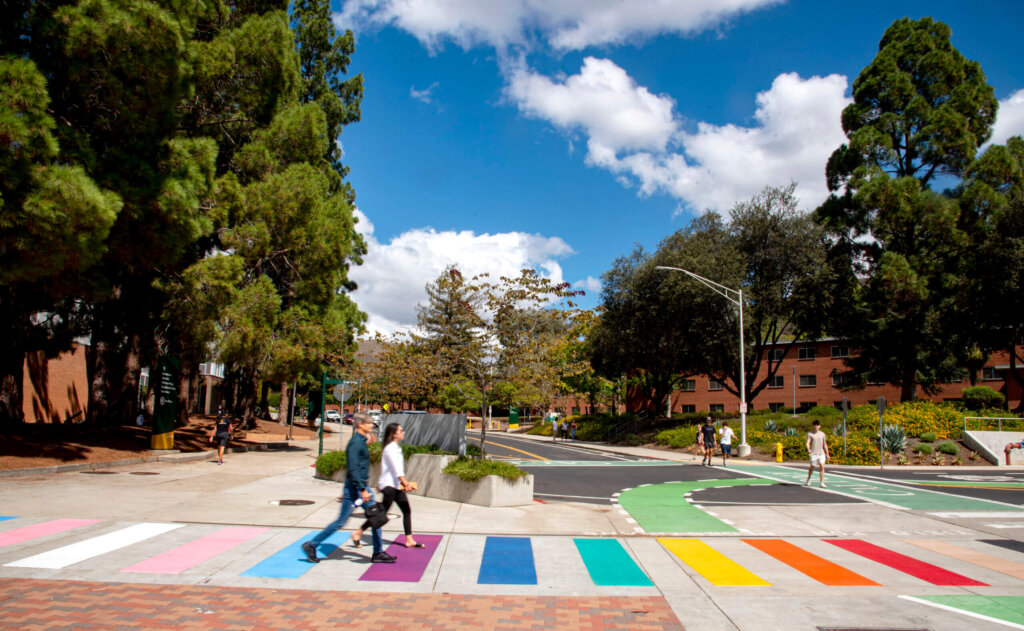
[42, 604]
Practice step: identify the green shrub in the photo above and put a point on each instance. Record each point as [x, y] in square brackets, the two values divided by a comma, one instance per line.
[473, 469]
[982, 397]
[923, 448]
[928, 437]
[631, 440]
[894, 439]
[679, 438]
[330, 462]
[771, 425]
[824, 413]
[949, 448]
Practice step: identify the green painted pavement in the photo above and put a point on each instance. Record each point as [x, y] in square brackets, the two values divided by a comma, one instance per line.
[663, 507]
[871, 490]
[1005, 608]
[609, 564]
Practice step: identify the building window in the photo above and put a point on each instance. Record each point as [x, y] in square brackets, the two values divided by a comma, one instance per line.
[808, 381]
[778, 381]
[717, 407]
[806, 405]
[687, 409]
[840, 351]
[807, 352]
[714, 384]
[575, 411]
[688, 385]
[838, 405]
[990, 374]
[776, 354]
[776, 407]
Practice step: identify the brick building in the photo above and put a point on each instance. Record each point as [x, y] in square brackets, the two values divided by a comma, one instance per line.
[810, 375]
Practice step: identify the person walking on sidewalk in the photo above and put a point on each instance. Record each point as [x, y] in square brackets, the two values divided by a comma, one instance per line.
[393, 485]
[708, 435]
[222, 432]
[572, 428]
[817, 448]
[726, 435]
[357, 462]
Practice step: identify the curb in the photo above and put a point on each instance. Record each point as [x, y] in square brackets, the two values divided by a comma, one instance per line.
[170, 457]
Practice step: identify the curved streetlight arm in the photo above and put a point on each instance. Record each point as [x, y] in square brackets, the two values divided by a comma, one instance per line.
[719, 289]
[724, 291]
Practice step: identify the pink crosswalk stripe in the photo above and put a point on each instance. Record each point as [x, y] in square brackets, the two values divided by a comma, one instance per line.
[28, 533]
[195, 552]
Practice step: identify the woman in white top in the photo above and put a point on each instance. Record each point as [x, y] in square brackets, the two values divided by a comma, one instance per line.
[392, 484]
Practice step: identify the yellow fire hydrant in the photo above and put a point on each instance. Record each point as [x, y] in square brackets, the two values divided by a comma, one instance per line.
[778, 452]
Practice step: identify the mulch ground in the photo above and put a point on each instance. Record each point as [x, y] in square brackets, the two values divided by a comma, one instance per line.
[41, 604]
[46, 445]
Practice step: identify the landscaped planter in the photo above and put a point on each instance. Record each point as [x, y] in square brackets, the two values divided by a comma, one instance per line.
[426, 471]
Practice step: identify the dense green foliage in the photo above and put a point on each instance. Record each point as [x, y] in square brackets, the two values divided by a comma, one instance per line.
[169, 179]
[473, 469]
[768, 249]
[982, 397]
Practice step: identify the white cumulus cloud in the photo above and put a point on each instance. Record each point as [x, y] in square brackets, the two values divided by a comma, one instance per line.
[638, 136]
[564, 24]
[393, 275]
[1009, 118]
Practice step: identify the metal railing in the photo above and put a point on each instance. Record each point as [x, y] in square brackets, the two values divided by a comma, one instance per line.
[1000, 420]
[629, 427]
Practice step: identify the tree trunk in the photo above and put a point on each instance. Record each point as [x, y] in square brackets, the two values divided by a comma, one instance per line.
[908, 387]
[98, 362]
[483, 427]
[12, 375]
[284, 407]
[247, 387]
[127, 394]
[184, 395]
[264, 409]
[1016, 376]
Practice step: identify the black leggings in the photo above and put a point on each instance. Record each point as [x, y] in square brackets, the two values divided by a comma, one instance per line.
[394, 496]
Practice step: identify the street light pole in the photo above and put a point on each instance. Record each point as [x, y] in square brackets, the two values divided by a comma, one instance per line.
[722, 290]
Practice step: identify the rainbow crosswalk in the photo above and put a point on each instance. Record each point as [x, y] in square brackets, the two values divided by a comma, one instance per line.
[274, 556]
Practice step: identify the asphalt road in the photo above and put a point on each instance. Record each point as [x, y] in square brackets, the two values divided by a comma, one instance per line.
[564, 472]
[978, 482]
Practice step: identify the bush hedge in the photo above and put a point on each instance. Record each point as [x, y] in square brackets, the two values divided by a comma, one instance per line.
[982, 397]
[473, 469]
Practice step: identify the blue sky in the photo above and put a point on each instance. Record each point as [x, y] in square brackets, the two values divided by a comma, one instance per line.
[557, 134]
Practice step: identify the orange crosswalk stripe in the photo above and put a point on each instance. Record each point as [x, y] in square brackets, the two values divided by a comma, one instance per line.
[821, 570]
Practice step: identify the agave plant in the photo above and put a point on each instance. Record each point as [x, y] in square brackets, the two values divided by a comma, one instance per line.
[837, 431]
[790, 431]
[771, 426]
[894, 439]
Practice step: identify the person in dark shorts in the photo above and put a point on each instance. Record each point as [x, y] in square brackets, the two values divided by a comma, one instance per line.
[725, 440]
[223, 433]
[708, 434]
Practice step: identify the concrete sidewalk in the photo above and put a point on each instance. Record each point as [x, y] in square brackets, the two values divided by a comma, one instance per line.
[200, 499]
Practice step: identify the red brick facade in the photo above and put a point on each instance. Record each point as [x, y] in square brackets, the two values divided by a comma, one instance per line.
[816, 365]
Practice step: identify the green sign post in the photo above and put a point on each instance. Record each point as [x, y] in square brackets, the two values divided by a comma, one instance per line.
[166, 409]
[513, 418]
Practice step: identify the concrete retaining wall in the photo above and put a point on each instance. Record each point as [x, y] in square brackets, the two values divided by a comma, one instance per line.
[426, 471]
[990, 445]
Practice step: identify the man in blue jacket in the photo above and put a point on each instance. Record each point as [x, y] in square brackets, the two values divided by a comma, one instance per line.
[357, 458]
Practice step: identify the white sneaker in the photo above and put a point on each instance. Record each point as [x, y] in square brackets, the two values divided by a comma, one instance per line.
[807, 483]
[823, 485]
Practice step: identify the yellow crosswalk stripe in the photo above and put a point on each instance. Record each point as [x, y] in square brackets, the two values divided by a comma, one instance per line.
[717, 568]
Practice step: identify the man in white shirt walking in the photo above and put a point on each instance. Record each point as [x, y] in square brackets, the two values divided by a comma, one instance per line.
[725, 438]
[817, 447]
